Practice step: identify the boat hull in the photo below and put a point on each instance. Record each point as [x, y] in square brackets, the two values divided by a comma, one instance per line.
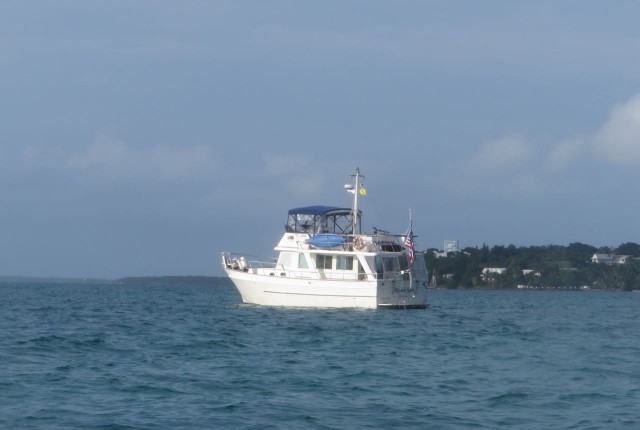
[296, 292]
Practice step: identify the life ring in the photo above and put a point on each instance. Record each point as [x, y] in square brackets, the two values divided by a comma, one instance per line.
[358, 243]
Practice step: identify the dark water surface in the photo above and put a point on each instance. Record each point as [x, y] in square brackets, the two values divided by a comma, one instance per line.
[114, 356]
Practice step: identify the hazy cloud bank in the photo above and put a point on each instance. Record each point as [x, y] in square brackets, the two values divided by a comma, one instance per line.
[506, 152]
[113, 161]
[513, 164]
[109, 159]
[616, 142]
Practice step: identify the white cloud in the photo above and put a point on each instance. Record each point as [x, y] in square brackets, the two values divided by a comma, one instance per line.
[508, 151]
[498, 168]
[618, 140]
[291, 171]
[176, 163]
[508, 165]
[113, 161]
[565, 152]
[102, 155]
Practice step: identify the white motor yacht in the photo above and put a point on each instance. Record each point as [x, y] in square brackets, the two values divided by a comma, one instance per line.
[325, 260]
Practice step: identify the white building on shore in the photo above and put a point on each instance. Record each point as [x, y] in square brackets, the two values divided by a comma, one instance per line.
[609, 259]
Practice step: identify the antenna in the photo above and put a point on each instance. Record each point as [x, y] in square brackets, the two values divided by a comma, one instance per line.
[355, 201]
[355, 189]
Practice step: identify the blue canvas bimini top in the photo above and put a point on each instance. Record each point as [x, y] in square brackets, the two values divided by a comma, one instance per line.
[320, 219]
[317, 210]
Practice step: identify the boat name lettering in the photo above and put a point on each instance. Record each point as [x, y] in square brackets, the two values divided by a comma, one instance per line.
[403, 289]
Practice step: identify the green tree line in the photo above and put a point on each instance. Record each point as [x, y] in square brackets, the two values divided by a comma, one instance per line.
[551, 266]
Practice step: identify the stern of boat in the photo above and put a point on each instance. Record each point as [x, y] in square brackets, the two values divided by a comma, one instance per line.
[402, 293]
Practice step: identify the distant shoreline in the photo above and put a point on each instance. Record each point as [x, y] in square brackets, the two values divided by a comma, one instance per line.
[541, 290]
[213, 281]
[198, 280]
[129, 280]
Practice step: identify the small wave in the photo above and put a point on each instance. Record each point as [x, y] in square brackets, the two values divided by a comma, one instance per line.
[509, 398]
[151, 389]
[89, 342]
[47, 339]
[584, 397]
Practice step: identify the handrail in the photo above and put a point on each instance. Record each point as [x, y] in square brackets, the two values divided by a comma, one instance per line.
[239, 262]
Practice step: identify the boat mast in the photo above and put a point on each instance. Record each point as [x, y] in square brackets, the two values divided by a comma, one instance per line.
[356, 191]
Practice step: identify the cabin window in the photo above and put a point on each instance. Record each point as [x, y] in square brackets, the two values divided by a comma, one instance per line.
[286, 259]
[323, 261]
[378, 263]
[305, 221]
[302, 261]
[404, 262]
[344, 262]
[388, 264]
[361, 274]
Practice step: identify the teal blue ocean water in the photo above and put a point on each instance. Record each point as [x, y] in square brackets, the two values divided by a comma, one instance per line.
[142, 357]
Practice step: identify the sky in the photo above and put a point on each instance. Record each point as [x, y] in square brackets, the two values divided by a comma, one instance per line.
[142, 137]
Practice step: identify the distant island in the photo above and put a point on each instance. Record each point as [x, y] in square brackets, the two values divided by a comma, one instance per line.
[172, 280]
[49, 280]
[576, 266]
[131, 280]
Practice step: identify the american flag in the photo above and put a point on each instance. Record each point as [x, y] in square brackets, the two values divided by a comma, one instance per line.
[408, 243]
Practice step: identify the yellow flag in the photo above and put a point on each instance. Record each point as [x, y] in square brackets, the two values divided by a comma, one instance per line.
[363, 192]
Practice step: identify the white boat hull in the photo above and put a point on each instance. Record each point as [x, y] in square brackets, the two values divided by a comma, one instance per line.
[293, 292]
